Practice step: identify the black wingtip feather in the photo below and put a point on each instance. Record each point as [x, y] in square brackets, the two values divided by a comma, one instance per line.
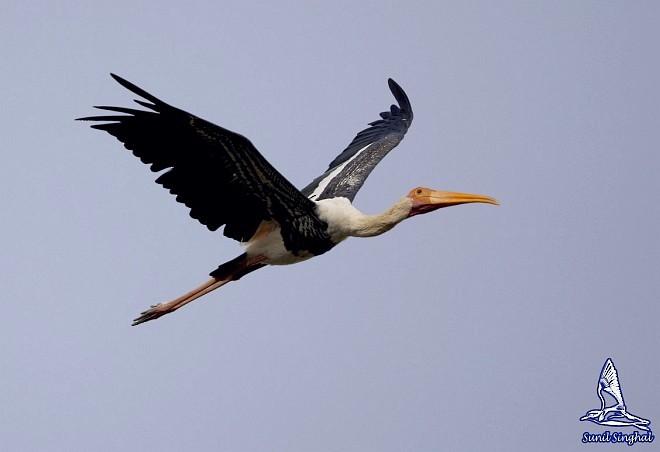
[147, 105]
[137, 90]
[400, 96]
[106, 127]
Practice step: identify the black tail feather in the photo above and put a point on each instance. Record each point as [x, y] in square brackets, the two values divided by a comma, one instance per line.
[236, 267]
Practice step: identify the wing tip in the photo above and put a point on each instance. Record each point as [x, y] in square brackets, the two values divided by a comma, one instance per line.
[139, 91]
[400, 96]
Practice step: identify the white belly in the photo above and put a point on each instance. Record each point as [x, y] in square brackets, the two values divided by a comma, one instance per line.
[267, 242]
[337, 213]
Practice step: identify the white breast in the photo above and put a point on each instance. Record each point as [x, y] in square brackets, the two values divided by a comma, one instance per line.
[340, 215]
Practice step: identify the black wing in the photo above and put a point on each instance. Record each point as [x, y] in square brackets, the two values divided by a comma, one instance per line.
[350, 169]
[217, 173]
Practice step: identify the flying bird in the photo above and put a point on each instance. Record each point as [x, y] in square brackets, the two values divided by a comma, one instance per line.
[224, 181]
[615, 415]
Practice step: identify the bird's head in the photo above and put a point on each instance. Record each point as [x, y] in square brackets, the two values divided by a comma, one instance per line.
[425, 200]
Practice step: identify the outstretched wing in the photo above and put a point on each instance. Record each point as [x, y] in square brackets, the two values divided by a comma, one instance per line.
[217, 173]
[609, 381]
[349, 170]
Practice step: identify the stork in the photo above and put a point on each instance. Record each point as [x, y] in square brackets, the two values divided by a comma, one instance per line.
[224, 181]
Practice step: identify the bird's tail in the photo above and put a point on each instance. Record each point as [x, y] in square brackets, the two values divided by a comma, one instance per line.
[232, 270]
[238, 267]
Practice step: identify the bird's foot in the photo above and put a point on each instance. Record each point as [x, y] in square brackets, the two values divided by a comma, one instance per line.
[160, 309]
[156, 311]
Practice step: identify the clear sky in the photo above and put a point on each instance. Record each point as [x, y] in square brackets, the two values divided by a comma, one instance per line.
[472, 328]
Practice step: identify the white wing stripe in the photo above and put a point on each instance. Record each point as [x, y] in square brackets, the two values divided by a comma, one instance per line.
[326, 180]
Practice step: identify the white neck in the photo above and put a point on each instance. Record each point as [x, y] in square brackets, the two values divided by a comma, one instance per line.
[344, 220]
[372, 225]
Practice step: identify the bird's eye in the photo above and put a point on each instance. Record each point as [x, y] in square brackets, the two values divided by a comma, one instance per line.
[419, 191]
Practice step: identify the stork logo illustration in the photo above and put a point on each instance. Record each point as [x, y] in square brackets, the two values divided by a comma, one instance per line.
[616, 414]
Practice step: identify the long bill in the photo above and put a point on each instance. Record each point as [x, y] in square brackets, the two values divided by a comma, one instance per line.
[426, 200]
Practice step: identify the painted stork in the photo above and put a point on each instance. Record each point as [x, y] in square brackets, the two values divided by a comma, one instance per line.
[224, 180]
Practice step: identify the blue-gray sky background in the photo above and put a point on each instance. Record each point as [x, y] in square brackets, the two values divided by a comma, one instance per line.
[472, 328]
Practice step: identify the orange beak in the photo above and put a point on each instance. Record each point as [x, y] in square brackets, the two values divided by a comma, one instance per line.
[427, 200]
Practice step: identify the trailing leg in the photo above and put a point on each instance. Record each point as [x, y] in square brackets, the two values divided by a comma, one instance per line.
[233, 270]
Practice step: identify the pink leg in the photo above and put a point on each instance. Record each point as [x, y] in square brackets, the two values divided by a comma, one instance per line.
[243, 267]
